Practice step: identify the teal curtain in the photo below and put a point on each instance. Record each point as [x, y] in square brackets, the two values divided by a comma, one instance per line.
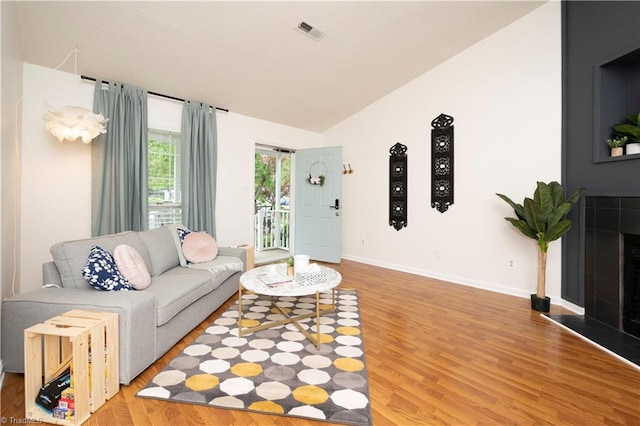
[119, 161]
[198, 163]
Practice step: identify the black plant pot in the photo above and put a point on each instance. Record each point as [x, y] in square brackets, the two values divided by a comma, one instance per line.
[539, 304]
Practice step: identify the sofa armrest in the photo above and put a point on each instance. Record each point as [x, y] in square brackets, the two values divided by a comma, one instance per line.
[239, 252]
[137, 323]
[51, 274]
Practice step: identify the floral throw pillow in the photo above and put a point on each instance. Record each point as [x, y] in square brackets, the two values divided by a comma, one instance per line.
[183, 233]
[102, 273]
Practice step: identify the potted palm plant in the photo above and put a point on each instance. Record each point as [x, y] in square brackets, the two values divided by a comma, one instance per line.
[632, 131]
[542, 218]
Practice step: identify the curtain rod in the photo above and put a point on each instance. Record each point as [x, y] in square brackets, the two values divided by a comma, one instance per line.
[84, 77]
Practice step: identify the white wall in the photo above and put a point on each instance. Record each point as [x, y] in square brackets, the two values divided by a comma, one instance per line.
[56, 177]
[11, 90]
[10, 94]
[505, 96]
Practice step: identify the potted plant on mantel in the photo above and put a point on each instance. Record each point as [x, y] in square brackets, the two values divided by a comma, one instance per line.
[543, 218]
[617, 144]
[632, 131]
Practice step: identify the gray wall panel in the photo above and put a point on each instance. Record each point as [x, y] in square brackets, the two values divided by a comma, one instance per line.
[594, 32]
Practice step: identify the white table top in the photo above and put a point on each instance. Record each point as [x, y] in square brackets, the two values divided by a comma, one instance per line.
[300, 285]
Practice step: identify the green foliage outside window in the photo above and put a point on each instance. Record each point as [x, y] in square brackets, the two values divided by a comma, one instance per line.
[163, 167]
[265, 181]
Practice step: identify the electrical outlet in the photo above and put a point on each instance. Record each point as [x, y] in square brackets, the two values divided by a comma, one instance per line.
[364, 242]
[511, 264]
[436, 254]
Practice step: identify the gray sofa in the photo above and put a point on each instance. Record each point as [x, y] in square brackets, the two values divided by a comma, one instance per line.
[151, 321]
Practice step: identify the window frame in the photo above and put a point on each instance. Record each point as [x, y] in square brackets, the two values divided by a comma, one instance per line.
[169, 209]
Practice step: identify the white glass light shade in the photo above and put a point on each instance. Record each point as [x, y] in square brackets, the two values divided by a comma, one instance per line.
[72, 122]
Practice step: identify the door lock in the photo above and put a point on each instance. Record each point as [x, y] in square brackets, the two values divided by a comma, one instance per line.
[336, 205]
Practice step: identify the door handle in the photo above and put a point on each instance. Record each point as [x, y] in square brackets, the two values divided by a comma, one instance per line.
[336, 205]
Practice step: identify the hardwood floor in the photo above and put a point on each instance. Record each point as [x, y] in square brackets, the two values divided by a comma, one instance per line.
[436, 353]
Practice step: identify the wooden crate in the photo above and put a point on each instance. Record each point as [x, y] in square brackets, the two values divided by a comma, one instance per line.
[112, 360]
[44, 345]
[97, 365]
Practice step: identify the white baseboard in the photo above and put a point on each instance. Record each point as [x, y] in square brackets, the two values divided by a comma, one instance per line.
[462, 281]
[572, 307]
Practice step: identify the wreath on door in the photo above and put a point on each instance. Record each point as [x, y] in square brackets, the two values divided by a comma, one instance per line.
[317, 173]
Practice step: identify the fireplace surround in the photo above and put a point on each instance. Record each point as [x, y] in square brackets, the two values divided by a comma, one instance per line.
[610, 224]
[630, 289]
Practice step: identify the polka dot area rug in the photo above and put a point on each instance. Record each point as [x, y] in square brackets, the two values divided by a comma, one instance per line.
[276, 370]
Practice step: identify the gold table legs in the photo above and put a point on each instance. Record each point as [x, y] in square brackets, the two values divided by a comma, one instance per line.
[288, 318]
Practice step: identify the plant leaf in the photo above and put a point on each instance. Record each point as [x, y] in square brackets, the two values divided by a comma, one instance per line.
[534, 215]
[558, 214]
[522, 226]
[635, 119]
[545, 197]
[517, 208]
[630, 130]
[576, 195]
[557, 230]
[557, 193]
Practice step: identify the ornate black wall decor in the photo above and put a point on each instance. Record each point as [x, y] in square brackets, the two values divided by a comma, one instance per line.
[398, 186]
[442, 162]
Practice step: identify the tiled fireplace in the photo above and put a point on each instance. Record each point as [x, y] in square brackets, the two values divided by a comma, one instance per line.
[612, 229]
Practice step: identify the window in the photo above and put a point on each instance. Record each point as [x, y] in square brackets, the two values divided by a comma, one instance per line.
[164, 178]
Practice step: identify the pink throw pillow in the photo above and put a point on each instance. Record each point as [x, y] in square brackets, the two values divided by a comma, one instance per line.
[132, 266]
[199, 247]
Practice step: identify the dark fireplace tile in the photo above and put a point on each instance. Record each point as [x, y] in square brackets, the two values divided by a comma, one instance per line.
[607, 243]
[590, 218]
[589, 283]
[622, 338]
[607, 312]
[607, 202]
[620, 343]
[630, 203]
[590, 251]
[608, 220]
[590, 304]
[608, 266]
[608, 290]
[630, 221]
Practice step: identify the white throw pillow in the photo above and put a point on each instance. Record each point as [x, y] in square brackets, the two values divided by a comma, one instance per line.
[199, 247]
[132, 266]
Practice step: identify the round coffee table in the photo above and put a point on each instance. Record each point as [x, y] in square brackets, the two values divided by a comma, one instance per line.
[258, 281]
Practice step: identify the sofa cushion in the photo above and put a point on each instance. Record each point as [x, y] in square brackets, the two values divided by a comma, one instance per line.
[132, 266]
[162, 249]
[102, 273]
[70, 256]
[199, 247]
[179, 287]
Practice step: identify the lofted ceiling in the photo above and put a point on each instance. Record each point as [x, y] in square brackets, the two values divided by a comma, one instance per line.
[249, 57]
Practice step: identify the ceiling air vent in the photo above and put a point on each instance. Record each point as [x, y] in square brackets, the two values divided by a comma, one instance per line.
[309, 30]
